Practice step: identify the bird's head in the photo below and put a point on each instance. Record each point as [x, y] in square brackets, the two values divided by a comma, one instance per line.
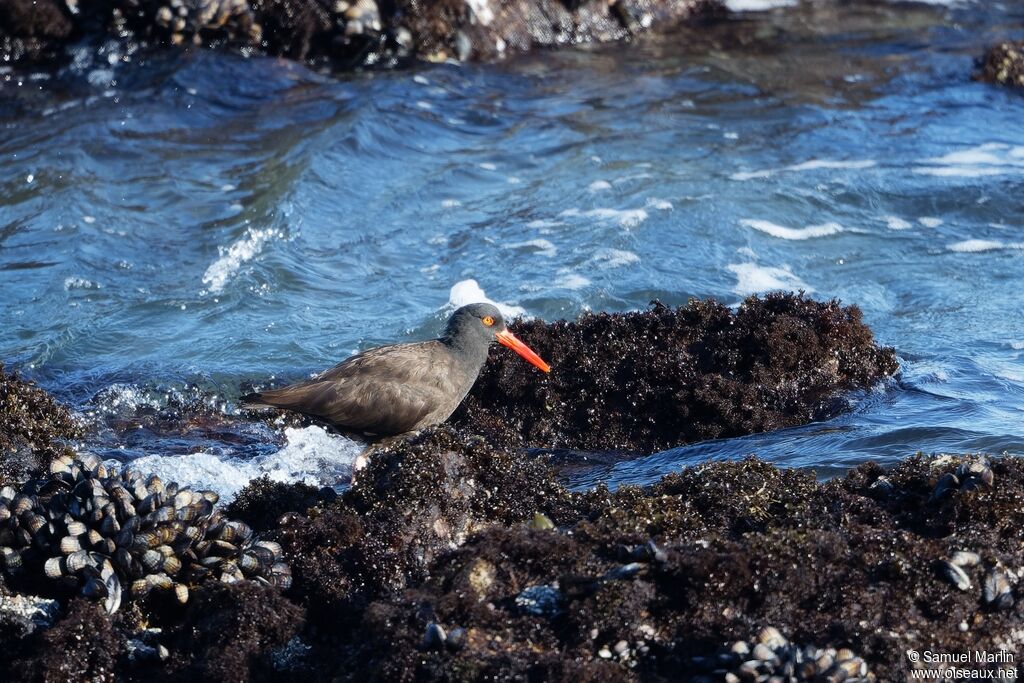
[482, 324]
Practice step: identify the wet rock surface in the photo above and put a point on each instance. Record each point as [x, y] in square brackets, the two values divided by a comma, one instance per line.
[1003, 64]
[453, 560]
[343, 33]
[669, 376]
[34, 428]
[457, 556]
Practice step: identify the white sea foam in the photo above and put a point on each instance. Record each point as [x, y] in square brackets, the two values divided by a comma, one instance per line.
[599, 186]
[232, 258]
[782, 232]
[989, 159]
[810, 165]
[541, 246]
[752, 278]
[311, 456]
[896, 223]
[541, 223]
[80, 283]
[450, 203]
[469, 292]
[930, 221]
[626, 218]
[972, 246]
[1017, 345]
[613, 258]
[659, 204]
[572, 281]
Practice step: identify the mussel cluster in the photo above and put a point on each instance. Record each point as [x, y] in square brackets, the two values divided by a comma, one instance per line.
[104, 533]
[771, 657]
[969, 475]
[997, 584]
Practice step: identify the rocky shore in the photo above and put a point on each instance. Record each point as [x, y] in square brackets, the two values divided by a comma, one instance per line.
[341, 33]
[458, 556]
[1003, 64]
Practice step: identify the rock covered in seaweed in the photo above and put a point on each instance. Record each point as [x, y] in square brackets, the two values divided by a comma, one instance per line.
[344, 33]
[33, 427]
[665, 377]
[1003, 64]
[771, 657]
[106, 533]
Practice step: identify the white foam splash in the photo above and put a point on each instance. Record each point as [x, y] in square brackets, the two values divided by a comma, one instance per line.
[542, 223]
[572, 281]
[973, 246]
[896, 223]
[810, 165]
[659, 204]
[752, 278]
[989, 159]
[599, 186]
[539, 246]
[232, 258]
[613, 258]
[469, 292]
[782, 232]
[930, 221]
[626, 218]
[80, 283]
[311, 456]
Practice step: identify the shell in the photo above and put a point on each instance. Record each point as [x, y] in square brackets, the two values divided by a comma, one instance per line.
[151, 560]
[103, 532]
[77, 561]
[996, 589]
[965, 558]
[54, 567]
[70, 544]
[955, 575]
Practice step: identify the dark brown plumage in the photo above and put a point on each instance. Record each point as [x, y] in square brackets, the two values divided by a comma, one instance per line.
[402, 388]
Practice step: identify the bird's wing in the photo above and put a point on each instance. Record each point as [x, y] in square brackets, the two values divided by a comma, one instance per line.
[388, 390]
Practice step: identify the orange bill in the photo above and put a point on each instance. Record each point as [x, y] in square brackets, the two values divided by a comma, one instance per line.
[508, 339]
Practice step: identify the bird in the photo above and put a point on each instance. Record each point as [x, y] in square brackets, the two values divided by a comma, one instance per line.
[400, 389]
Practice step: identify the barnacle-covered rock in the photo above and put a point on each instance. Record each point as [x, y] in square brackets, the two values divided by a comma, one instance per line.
[771, 655]
[1003, 64]
[33, 426]
[107, 533]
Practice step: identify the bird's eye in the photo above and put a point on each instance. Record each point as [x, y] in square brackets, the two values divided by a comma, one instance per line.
[488, 320]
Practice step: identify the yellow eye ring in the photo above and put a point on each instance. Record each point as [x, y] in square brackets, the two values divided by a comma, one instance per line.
[488, 320]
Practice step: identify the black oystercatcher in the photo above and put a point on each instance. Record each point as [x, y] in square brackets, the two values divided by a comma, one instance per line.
[397, 389]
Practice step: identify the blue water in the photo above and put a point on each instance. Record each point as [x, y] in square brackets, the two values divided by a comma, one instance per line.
[176, 225]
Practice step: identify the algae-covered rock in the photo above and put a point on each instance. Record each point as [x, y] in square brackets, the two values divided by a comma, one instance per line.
[1003, 64]
[343, 33]
[664, 377]
[33, 428]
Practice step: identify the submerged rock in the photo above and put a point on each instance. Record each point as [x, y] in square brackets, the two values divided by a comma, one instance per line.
[665, 377]
[344, 33]
[1003, 64]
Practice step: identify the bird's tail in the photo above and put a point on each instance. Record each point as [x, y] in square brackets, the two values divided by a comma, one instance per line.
[254, 400]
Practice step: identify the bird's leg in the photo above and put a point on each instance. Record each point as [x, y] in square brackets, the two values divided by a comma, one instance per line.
[363, 458]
